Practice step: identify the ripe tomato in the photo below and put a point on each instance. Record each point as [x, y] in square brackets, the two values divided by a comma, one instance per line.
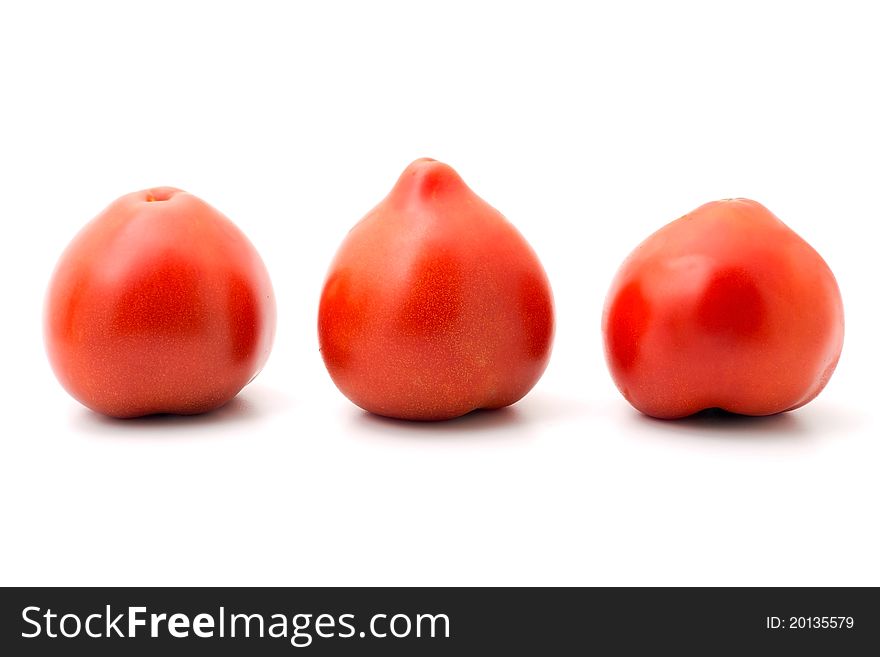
[435, 305]
[725, 308]
[159, 305]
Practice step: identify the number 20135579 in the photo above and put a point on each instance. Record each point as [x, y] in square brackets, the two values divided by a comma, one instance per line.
[810, 623]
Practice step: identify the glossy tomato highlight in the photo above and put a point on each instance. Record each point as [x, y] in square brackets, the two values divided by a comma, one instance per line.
[435, 305]
[725, 308]
[159, 305]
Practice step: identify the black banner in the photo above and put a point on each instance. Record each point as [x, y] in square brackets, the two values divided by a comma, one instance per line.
[438, 621]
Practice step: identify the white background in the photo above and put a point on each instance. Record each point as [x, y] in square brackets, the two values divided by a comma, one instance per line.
[589, 125]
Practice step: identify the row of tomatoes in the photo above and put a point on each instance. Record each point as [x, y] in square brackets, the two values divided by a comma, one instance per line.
[435, 306]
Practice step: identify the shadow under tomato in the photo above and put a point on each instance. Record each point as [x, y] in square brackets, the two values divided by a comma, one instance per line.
[524, 419]
[716, 422]
[507, 421]
[247, 407]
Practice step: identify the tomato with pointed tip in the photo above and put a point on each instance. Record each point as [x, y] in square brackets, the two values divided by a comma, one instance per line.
[727, 308]
[435, 305]
[159, 305]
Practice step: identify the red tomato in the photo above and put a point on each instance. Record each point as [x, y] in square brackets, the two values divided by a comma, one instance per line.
[435, 305]
[725, 308]
[159, 305]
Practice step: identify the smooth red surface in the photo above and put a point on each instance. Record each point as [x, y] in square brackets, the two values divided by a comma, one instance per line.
[435, 305]
[159, 305]
[725, 308]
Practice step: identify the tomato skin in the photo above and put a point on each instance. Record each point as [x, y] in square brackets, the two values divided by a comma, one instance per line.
[726, 308]
[435, 305]
[159, 305]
